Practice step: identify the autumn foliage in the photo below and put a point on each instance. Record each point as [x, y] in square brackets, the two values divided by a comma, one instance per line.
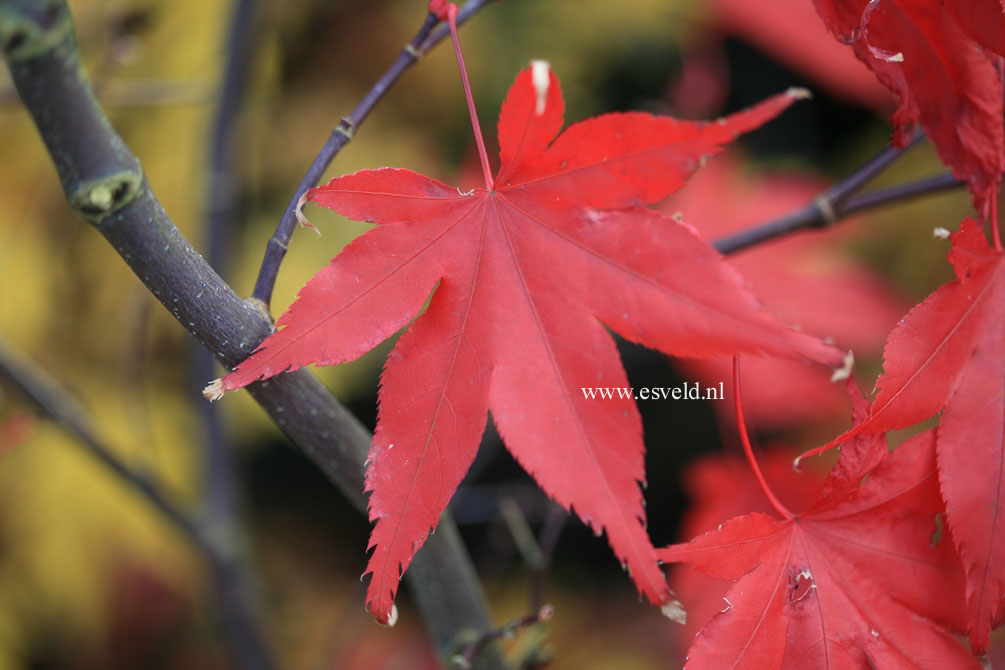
[902, 551]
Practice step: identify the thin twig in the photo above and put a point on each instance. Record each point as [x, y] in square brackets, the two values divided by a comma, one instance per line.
[812, 217]
[38, 387]
[547, 541]
[423, 41]
[463, 659]
[862, 176]
[840, 201]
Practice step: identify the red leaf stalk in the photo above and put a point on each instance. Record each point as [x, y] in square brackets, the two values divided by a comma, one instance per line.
[452, 20]
[741, 427]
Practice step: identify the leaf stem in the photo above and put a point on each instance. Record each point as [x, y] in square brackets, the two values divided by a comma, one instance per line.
[741, 427]
[479, 140]
[425, 39]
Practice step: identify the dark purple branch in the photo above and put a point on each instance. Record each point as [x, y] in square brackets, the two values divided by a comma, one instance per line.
[547, 541]
[509, 629]
[841, 200]
[813, 216]
[423, 41]
[902, 192]
[864, 174]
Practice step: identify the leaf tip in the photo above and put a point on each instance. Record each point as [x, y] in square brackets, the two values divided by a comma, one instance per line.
[540, 77]
[844, 372]
[674, 611]
[392, 617]
[214, 391]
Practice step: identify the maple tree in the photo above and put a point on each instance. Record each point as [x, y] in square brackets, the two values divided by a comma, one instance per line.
[508, 296]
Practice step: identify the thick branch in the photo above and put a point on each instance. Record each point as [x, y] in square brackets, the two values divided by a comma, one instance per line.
[105, 185]
[423, 41]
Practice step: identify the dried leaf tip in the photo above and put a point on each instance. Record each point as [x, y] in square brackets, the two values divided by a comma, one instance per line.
[674, 611]
[799, 93]
[214, 391]
[540, 76]
[844, 372]
[392, 618]
[299, 211]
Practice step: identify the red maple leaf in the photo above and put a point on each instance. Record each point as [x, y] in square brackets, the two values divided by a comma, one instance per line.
[949, 353]
[791, 31]
[857, 581]
[721, 486]
[526, 275]
[928, 57]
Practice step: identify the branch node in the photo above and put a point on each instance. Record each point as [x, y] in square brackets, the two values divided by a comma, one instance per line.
[29, 32]
[259, 307]
[825, 206]
[346, 128]
[412, 51]
[95, 199]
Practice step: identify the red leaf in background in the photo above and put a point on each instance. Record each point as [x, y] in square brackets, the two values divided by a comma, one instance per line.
[838, 586]
[791, 31]
[528, 274]
[804, 279]
[949, 353]
[15, 430]
[937, 73]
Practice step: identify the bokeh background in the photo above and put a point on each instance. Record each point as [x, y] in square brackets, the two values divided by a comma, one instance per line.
[92, 577]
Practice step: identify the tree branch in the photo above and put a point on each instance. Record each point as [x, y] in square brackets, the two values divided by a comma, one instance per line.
[813, 216]
[840, 201]
[105, 185]
[246, 641]
[423, 41]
